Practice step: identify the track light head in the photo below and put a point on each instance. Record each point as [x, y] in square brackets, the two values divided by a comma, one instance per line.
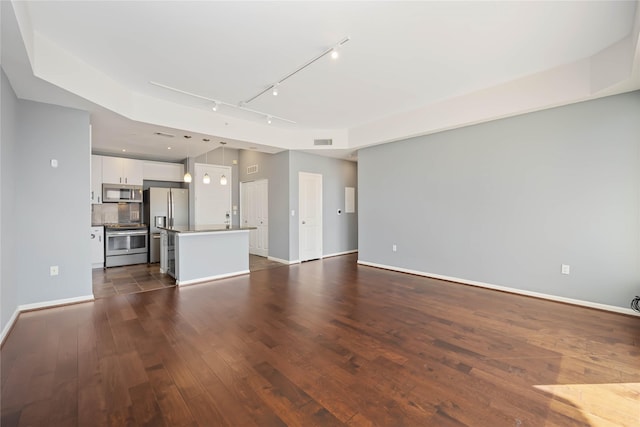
[215, 106]
[269, 120]
[334, 53]
[275, 90]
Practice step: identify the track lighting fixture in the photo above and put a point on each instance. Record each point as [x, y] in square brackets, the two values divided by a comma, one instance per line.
[333, 50]
[269, 120]
[217, 103]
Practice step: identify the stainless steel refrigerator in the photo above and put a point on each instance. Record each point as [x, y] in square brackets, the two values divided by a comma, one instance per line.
[164, 207]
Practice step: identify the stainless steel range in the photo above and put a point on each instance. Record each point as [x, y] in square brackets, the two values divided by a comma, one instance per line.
[125, 244]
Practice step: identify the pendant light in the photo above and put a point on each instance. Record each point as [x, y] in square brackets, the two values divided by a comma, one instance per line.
[187, 175]
[206, 179]
[223, 179]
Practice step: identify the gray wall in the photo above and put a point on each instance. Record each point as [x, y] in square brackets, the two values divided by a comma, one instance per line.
[339, 232]
[274, 168]
[8, 284]
[507, 202]
[45, 212]
[52, 209]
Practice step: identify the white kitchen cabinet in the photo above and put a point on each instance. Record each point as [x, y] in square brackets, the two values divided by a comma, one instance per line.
[118, 170]
[96, 179]
[97, 247]
[163, 171]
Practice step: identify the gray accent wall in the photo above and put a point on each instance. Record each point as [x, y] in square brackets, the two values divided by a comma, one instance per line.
[8, 285]
[45, 211]
[339, 232]
[508, 201]
[52, 210]
[274, 168]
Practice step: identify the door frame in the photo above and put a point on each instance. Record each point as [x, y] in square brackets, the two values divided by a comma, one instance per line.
[243, 207]
[319, 237]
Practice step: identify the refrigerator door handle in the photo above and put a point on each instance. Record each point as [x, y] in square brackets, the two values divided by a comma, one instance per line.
[171, 209]
[168, 209]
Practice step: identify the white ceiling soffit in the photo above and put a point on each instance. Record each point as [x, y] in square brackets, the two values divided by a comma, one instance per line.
[410, 68]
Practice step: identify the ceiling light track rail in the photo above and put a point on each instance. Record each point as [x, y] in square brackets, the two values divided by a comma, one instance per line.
[217, 102]
[272, 87]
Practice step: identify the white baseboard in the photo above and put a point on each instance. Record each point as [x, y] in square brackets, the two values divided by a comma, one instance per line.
[556, 298]
[297, 261]
[38, 306]
[340, 253]
[9, 326]
[54, 303]
[283, 261]
[210, 278]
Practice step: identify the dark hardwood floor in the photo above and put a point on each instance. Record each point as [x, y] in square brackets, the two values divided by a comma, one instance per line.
[319, 344]
[131, 279]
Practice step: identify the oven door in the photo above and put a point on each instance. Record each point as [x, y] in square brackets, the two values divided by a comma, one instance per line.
[126, 242]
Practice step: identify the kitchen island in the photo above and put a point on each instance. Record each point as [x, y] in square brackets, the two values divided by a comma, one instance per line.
[192, 254]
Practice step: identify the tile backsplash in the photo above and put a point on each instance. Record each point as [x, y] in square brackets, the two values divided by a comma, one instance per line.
[116, 213]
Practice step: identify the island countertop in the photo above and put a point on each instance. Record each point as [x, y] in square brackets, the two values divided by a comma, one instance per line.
[210, 228]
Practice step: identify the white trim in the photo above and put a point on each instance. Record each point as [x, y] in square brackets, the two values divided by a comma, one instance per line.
[210, 232]
[283, 261]
[9, 326]
[207, 279]
[589, 304]
[340, 253]
[55, 303]
[37, 306]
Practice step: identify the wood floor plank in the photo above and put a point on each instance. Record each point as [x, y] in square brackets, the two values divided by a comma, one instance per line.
[322, 343]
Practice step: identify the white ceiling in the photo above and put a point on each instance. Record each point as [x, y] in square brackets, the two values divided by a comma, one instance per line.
[402, 58]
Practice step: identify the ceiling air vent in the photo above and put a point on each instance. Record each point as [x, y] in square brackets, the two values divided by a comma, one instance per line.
[323, 142]
[252, 169]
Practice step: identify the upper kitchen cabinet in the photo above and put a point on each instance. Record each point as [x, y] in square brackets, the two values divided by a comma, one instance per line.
[118, 170]
[96, 179]
[162, 171]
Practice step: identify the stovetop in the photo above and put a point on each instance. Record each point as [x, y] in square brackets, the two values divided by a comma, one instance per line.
[133, 226]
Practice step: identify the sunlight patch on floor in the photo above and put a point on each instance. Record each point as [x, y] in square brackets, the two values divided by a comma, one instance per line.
[601, 404]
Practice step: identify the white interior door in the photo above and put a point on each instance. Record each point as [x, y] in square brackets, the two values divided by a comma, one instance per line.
[310, 210]
[254, 211]
[212, 201]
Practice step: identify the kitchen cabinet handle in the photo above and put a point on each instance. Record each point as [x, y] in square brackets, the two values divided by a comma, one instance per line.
[93, 236]
[125, 180]
[92, 195]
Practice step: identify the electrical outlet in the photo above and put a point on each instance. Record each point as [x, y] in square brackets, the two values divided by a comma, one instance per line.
[53, 270]
[566, 269]
[394, 248]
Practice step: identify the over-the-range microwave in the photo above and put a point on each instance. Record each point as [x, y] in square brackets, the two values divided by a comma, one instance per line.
[117, 193]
